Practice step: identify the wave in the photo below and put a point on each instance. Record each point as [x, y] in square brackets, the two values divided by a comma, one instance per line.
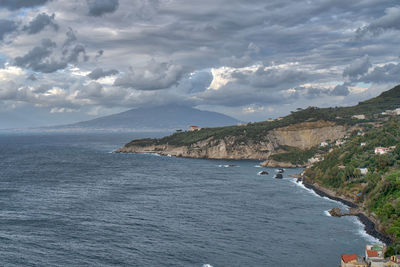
[300, 184]
[361, 232]
[227, 166]
[151, 154]
[207, 265]
[326, 212]
[258, 166]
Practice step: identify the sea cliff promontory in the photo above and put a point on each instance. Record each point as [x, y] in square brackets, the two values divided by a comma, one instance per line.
[295, 138]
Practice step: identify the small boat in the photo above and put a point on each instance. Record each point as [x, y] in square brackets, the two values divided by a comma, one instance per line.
[262, 173]
[278, 176]
[280, 170]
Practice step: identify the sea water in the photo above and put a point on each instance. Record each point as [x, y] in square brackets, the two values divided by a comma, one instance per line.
[65, 200]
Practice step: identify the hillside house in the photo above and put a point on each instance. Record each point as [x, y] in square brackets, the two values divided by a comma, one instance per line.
[381, 150]
[193, 128]
[395, 112]
[359, 117]
[352, 260]
[363, 144]
[363, 171]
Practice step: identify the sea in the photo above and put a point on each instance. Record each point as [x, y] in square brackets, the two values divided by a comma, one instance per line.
[68, 200]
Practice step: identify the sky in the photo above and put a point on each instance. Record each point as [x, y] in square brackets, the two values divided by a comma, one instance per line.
[68, 61]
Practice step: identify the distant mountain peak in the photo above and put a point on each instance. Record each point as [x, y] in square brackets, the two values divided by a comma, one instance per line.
[165, 117]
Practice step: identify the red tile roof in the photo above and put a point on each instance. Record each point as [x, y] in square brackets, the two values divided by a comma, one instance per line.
[349, 257]
[372, 253]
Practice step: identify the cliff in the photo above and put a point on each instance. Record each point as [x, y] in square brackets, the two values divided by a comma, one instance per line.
[301, 136]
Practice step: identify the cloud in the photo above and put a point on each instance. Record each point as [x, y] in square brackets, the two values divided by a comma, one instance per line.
[17, 4]
[340, 90]
[38, 58]
[100, 73]
[388, 73]
[357, 67]
[390, 21]
[154, 76]
[100, 7]
[39, 23]
[6, 26]
[32, 77]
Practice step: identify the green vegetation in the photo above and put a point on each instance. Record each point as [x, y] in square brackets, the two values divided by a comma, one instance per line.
[379, 190]
[294, 155]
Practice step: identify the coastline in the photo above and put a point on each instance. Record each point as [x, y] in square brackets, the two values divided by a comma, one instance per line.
[369, 223]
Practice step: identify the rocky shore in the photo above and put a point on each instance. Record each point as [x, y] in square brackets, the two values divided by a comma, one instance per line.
[370, 224]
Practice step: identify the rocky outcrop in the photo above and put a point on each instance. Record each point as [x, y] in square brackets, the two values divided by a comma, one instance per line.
[307, 134]
[302, 136]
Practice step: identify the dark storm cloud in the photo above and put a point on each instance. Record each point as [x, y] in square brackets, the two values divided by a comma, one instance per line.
[6, 26]
[340, 90]
[99, 53]
[46, 59]
[390, 21]
[75, 52]
[39, 23]
[357, 67]
[100, 7]
[155, 76]
[70, 37]
[32, 77]
[17, 4]
[100, 73]
[33, 59]
[383, 74]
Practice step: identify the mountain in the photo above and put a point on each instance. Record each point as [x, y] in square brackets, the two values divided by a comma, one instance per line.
[168, 117]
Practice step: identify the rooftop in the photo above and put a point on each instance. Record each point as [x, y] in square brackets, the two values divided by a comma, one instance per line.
[349, 257]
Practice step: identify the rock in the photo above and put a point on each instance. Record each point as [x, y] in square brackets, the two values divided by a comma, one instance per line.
[263, 173]
[335, 212]
[278, 176]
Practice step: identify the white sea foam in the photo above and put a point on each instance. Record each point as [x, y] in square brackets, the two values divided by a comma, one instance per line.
[152, 154]
[207, 265]
[361, 231]
[300, 184]
[258, 166]
[227, 166]
[326, 212]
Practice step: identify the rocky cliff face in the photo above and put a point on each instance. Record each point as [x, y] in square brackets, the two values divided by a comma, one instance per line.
[302, 136]
[307, 134]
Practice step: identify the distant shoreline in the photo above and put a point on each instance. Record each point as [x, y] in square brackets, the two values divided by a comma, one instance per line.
[369, 224]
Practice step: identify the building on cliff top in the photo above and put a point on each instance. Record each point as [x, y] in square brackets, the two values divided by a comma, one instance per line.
[193, 128]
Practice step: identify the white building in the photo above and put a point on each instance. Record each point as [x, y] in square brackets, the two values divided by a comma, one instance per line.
[324, 144]
[360, 117]
[381, 150]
